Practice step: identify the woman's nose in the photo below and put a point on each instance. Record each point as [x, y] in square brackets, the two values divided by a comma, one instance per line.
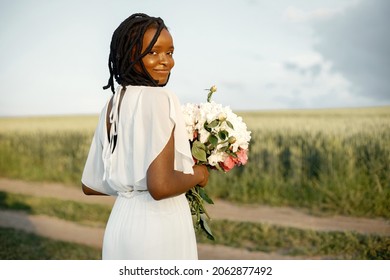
[163, 59]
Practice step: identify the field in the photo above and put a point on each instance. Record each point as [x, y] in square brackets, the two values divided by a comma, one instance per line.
[322, 162]
[326, 161]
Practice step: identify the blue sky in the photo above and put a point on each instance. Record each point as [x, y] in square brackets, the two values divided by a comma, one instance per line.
[261, 54]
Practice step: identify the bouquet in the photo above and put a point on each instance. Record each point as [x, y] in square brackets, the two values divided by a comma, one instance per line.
[219, 139]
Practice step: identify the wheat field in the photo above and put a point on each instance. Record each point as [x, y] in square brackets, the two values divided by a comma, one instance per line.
[326, 161]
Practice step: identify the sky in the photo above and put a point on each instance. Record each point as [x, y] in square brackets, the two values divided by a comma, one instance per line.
[261, 55]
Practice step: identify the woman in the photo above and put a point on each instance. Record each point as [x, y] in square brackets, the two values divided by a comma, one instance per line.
[140, 151]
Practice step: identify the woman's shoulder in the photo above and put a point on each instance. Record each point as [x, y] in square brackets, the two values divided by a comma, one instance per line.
[158, 90]
[159, 94]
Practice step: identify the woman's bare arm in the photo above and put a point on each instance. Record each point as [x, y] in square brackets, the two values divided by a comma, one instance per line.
[89, 191]
[163, 181]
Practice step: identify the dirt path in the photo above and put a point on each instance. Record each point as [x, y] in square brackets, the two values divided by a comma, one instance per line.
[68, 231]
[283, 216]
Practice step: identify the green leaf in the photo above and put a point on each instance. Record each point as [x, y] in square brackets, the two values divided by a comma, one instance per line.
[229, 124]
[205, 197]
[213, 124]
[206, 126]
[196, 196]
[219, 168]
[199, 151]
[223, 134]
[205, 227]
[213, 140]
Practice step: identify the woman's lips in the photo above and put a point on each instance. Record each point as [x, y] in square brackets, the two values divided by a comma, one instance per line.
[162, 71]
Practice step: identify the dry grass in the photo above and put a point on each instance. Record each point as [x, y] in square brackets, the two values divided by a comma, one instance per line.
[48, 124]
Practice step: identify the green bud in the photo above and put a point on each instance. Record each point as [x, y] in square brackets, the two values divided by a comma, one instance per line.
[232, 140]
[222, 117]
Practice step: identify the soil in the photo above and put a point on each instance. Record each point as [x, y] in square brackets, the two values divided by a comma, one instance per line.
[64, 230]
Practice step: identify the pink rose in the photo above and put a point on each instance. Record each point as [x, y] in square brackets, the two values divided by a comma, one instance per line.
[228, 164]
[242, 156]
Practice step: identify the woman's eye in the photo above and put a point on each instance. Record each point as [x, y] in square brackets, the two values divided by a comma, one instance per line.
[170, 53]
[152, 52]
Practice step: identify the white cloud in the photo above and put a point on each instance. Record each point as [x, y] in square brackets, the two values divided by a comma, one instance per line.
[306, 59]
[295, 14]
[358, 45]
[261, 54]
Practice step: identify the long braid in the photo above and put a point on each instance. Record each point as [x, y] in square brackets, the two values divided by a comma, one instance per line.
[125, 51]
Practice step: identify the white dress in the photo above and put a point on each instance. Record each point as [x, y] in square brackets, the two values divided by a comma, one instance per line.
[140, 227]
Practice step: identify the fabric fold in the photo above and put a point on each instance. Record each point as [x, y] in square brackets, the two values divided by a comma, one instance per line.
[151, 113]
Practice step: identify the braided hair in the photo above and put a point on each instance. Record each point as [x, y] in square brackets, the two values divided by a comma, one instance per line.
[125, 51]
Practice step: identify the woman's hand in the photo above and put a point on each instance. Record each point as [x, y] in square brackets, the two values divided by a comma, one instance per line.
[203, 174]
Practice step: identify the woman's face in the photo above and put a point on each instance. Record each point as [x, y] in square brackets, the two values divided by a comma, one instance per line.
[159, 61]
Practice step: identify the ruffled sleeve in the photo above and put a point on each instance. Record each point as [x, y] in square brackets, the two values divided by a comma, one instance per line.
[158, 113]
[93, 174]
[144, 125]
